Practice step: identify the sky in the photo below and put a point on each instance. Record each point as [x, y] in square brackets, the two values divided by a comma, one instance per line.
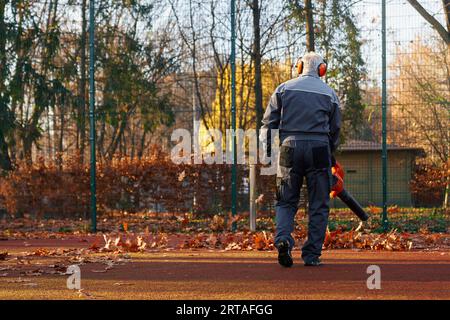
[404, 24]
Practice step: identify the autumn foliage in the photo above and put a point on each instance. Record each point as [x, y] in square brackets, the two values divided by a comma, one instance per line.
[429, 183]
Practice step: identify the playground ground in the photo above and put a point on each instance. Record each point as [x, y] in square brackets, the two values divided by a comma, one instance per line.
[35, 269]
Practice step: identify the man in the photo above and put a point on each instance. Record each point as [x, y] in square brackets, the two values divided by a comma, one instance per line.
[306, 112]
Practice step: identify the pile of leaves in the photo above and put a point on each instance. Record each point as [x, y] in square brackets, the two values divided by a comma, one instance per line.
[43, 261]
[354, 239]
[129, 243]
[230, 241]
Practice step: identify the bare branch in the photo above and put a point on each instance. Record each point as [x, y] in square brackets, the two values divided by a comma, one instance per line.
[445, 35]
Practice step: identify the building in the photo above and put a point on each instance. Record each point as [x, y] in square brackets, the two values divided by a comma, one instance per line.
[363, 172]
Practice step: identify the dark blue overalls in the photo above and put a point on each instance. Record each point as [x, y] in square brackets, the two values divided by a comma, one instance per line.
[306, 112]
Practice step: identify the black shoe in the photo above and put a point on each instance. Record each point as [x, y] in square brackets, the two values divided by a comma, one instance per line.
[313, 263]
[284, 254]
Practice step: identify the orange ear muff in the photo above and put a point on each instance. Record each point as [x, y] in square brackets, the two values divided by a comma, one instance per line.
[300, 67]
[322, 69]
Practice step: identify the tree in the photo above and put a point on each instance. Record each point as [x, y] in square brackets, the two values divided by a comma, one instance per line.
[443, 33]
[272, 74]
[82, 92]
[420, 101]
[5, 113]
[331, 29]
[131, 72]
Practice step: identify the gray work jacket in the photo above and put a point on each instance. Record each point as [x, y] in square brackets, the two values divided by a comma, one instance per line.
[304, 106]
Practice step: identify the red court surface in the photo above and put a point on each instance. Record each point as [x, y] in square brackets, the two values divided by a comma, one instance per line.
[217, 274]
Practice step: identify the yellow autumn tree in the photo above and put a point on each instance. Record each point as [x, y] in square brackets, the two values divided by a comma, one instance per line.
[273, 73]
[420, 102]
[420, 98]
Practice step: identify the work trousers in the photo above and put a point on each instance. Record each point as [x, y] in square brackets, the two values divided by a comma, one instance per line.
[299, 158]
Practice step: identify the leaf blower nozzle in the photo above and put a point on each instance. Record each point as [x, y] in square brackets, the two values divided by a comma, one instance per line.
[338, 191]
[348, 199]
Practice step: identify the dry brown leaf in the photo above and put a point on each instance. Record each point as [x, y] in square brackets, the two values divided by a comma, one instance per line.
[262, 242]
[217, 223]
[83, 293]
[3, 255]
[120, 284]
[94, 246]
[30, 284]
[213, 240]
[42, 252]
[393, 209]
[33, 273]
[375, 210]
[99, 271]
[260, 199]
[6, 268]
[18, 280]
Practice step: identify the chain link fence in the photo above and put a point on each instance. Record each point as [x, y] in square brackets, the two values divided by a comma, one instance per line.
[164, 65]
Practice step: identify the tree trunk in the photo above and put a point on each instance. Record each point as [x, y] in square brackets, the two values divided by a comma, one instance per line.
[309, 26]
[446, 5]
[5, 160]
[257, 62]
[447, 193]
[117, 138]
[27, 144]
[256, 55]
[82, 84]
[101, 138]
[142, 145]
[61, 134]
[17, 96]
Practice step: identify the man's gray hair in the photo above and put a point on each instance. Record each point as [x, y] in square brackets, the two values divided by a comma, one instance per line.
[311, 62]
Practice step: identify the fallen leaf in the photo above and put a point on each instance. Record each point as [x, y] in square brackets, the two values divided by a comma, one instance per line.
[41, 252]
[94, 246]
[393, 209]
[19, 280]
[82, 293]
[374, 210]
[262, 242]
[30, 284]
[181, 176]
[99, 271]
[33, 273]
[260, 199]
[3, 255]
[123, 284]
[6, 268]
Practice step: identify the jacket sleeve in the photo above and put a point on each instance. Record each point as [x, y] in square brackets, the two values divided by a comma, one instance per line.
[271, 120]
[335, 123]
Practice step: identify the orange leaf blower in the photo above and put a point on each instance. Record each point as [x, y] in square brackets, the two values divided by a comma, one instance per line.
[338, 191]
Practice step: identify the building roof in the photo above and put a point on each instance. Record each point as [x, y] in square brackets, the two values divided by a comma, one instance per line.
[364, 145]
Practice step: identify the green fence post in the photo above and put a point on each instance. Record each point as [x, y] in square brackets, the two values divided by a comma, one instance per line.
[233, 112]
[92, 115]
[384, 154]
